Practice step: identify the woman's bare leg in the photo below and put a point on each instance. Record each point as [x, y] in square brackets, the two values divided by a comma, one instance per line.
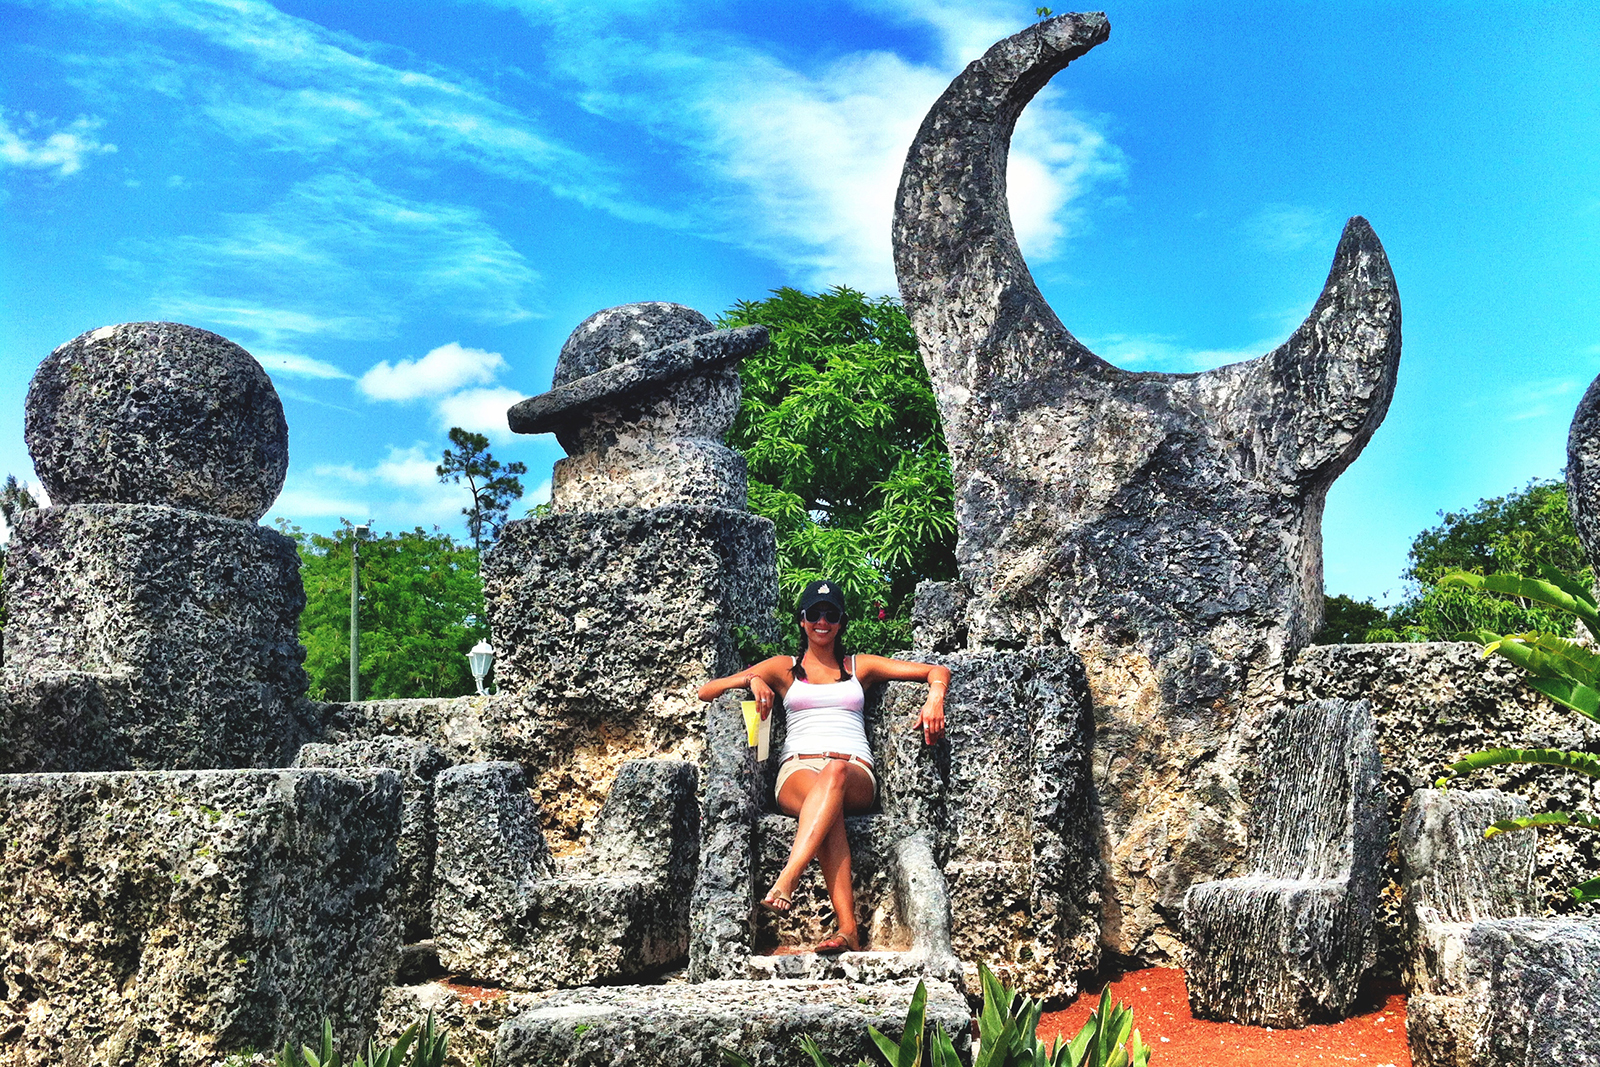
[834, 859]
[819, 801]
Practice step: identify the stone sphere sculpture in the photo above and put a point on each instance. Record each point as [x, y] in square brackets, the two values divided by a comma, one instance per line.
[157, 413]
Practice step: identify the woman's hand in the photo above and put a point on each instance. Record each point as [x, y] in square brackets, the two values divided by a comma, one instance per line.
[932, 719]
[763, 694]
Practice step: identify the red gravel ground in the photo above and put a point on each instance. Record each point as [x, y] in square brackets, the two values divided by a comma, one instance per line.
[1376, 1038]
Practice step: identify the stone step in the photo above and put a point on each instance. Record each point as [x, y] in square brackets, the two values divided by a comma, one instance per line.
[688, 1025]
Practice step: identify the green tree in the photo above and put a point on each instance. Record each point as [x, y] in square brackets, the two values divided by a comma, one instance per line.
[841, 432]
[1521, 533]
[493, 487]
[1346, 620]
[421, 611]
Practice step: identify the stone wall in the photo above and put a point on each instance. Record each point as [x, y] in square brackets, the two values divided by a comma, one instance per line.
[606, 623]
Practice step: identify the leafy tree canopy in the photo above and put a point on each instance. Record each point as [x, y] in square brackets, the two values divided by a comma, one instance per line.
[841, 432]
[1515, 534]
[493, 487]
[421, 611]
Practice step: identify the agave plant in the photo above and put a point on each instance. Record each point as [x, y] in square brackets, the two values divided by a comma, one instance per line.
[430, 1045]
[1007, 1036]
[1560, 668]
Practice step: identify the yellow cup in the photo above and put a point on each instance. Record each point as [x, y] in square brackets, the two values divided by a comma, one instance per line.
[752, 722]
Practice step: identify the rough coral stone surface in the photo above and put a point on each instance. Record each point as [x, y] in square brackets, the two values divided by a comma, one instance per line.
[1435, 703]
[417, 763]
[472, 1014]
[605, 625]
[1536, 987]
[1455, 877]
[191, 620]
[623, 333]
[1583, 470]
[170, 918]
[157, 413]
[1165, 526]
[506, 912]
[1288, 943]
[690, 1025]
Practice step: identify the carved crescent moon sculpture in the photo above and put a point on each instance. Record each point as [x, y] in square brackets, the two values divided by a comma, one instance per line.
[1166, 527]
[1089, 495]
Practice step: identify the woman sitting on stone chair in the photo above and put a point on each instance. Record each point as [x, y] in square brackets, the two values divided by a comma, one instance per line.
[825, 768]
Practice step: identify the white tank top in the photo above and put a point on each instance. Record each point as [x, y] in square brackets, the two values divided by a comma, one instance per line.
[825, 717]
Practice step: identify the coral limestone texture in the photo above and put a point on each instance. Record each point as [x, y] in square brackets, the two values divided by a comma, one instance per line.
[1166, 527]
[169, 918]
[157, 413]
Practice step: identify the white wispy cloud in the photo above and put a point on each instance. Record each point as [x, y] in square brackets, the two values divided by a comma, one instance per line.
[479, 410]
[803, 163]
[337, 256]
[1280, 228]
[293, 86]
[296, 365]
[399, 491]
[63, 151]
[444, 369]
[1545, 398]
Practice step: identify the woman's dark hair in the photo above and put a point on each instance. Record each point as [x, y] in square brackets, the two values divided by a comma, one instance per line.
[799, 668]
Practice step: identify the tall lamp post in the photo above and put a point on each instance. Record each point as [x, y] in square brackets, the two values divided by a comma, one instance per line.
[355, 626]
[478, 659]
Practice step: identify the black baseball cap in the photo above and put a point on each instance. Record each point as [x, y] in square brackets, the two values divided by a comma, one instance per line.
[822, 592]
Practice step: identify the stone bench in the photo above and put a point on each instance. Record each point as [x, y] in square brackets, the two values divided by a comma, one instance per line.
[1286, 944]
[688, 1025]
[506, 912]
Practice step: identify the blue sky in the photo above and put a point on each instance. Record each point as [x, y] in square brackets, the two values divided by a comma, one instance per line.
[402, 209]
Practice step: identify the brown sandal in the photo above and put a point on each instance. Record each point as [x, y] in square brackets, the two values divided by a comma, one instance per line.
[777, 902]
[835, 945]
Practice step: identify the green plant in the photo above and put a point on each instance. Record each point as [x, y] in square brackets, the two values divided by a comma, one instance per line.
[1007, 1036]
[1561, 669]
[426, 1043]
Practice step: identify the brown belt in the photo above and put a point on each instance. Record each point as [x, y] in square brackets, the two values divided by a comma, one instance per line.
[848, 757]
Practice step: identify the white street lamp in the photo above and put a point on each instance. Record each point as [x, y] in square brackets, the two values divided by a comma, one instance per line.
[479, 658]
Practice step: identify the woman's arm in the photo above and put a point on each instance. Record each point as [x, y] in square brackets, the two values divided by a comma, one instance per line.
[871, 669]
[764, 680]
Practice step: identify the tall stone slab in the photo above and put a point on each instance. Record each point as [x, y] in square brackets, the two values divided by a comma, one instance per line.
[152, 624]
[611, 610]
[1166, 527]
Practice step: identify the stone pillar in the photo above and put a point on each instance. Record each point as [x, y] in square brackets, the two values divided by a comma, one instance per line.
[151, 623]
[609, 612]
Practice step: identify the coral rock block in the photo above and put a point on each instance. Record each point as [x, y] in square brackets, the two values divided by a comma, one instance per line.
[179, 631]
[506, 912]
[169, 918]
[690, 1025]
